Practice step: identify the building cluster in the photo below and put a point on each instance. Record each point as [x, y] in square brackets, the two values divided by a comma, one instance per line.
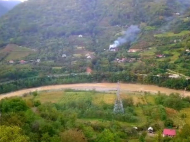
[23, 61]
[166, 132]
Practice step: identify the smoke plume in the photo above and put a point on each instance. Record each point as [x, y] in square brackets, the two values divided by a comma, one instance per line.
[129, 36]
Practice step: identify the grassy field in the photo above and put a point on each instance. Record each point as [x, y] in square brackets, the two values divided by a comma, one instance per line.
[98, 99]
[143, 107]
[15, 52]
[170, 34]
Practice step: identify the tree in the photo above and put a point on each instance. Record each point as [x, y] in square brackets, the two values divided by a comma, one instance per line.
[169, 123]
[12, 134]
[13, 105]
[73, 136]
[107, 136]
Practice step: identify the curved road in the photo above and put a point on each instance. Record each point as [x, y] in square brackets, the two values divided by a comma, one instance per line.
[98, 87]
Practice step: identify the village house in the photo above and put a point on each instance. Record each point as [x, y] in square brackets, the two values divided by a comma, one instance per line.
[64, 56]
[133, 50]
[160, 56]
[187, 50]
[178, 14]
[150, 130]
[169, 133]
[121, 60]
[89, 57]
[22, 62]
[113, 48]
[11, 62]
[80, 36]
[88, 70]
[174, 76]
[38, 60]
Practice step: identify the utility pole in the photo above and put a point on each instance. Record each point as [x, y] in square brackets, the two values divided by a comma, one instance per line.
[118, 106]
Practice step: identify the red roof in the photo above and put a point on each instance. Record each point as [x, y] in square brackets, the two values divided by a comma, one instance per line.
[89, 70]
[170, 132]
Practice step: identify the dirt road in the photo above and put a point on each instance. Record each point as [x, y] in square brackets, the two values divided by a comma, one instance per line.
[98, 87]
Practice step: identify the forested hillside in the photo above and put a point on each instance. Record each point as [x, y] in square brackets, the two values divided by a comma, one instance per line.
[152, 38]
[52, 21]
[5, 6]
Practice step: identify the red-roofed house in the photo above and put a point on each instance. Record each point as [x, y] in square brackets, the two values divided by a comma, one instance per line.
[22, 62]
[169, 133]
[88, 70]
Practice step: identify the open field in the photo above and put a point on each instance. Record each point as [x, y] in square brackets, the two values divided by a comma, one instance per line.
[143, 102]
[99, 87]
[15, 52]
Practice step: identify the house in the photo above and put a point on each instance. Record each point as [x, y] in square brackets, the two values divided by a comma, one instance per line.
[11, 62]
[88, 70]
[160, 56]
[113, 48]
[169, 133]
[187, 50]
[64, 56]
[150, 130]
[133, 50]
[80, 36]
[38, 60]
[22, 62]
[121, 60]
[89, 57]
[174, 76]
[178, 14]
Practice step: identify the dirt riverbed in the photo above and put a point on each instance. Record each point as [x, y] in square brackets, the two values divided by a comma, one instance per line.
[99, 87]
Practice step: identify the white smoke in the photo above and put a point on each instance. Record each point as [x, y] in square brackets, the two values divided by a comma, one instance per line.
[129, 36]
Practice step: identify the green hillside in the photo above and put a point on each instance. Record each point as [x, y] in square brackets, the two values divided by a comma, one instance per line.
[69, 36]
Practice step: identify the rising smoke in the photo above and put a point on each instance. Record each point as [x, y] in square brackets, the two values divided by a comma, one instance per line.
[129, 36]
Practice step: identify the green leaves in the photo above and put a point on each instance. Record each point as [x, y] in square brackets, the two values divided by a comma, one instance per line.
[12, 134]
[13, 105]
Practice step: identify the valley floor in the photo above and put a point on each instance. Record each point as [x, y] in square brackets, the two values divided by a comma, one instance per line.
[99, 87]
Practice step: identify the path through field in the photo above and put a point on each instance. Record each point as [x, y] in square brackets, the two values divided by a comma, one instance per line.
[98, 87]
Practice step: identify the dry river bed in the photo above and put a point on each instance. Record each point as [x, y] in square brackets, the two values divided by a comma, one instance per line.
[98, 87]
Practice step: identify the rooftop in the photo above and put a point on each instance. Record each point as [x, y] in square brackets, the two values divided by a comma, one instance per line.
[170, 132]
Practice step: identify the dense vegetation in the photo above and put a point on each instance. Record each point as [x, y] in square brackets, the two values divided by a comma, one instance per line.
[163, 81]
[88, 116]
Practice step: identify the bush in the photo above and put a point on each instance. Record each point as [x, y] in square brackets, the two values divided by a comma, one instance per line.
[13, 105]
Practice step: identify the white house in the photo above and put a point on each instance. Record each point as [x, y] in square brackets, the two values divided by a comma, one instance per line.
[80, 36]
[64, 56]
[150, 130]
[113, 48]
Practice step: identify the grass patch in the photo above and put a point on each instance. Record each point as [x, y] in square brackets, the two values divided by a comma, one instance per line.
[15, 52]
[170, 34]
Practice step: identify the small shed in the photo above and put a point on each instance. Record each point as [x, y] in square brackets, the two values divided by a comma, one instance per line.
[169, 133]
[150, 130]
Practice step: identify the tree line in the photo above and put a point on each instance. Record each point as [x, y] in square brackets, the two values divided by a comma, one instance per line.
[125, 77]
